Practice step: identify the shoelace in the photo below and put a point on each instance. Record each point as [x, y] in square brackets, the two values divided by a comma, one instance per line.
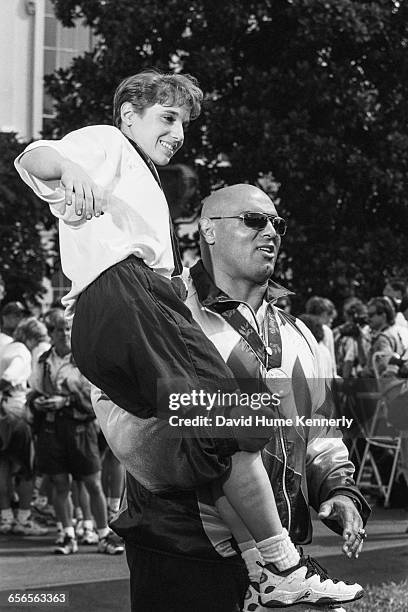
[314, 567]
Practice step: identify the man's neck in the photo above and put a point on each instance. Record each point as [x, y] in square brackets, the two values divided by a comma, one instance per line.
[240, 290]
[61, 352]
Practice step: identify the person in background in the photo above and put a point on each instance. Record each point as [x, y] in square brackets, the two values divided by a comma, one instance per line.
[11, 315]
[324, 310]
[396, 290]
[403, 309]
[67, 435]
[386, 337]
[16, 443]
[352, 339]
[313, 323]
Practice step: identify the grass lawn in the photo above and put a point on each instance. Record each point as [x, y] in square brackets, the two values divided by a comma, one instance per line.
[388, 597]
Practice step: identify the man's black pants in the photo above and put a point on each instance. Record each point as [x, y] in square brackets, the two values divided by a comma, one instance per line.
[160, 582]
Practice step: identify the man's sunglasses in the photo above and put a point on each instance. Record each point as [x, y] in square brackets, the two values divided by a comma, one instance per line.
[257, 221]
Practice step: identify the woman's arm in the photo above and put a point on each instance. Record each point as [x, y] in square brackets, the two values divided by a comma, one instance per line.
[47, 164]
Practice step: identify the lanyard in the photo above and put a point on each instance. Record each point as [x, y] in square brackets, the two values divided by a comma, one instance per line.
[269, 354]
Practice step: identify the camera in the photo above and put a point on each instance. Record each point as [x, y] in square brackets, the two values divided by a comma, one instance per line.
[353, 328]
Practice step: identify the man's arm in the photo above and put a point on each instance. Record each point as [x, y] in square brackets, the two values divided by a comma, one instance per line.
[47, 164]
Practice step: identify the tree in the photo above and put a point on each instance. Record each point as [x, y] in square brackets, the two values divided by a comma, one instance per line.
[310, 93]
[23, 256]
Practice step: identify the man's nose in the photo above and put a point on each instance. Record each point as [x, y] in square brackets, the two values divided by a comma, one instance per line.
[269, 229]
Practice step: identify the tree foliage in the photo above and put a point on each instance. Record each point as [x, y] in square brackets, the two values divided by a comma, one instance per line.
[313, 93]
[23, 258]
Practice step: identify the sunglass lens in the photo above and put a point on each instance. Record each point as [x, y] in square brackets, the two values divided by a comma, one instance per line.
[258, 221]
[255, 221]
[280, 225]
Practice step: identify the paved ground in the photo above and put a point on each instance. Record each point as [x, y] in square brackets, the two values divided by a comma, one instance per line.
[95, 583]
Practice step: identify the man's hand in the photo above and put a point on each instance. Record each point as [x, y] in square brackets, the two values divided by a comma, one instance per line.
[342, 508]
[51, 404]
[81, 191]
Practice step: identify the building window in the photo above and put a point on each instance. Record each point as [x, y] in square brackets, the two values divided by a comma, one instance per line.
[61, 45]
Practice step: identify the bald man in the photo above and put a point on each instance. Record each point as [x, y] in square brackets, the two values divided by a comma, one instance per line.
[180, 538]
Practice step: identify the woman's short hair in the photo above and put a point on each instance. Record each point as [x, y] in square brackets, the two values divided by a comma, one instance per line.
[30, 329]
[354, 306]
[52, 318]
[154, 87]
[317, 306]
[383, 305]
[312, 322]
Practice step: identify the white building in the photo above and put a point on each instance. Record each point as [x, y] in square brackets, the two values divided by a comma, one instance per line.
[32, 43]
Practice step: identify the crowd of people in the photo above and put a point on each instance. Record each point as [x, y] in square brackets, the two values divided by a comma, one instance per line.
[364, 327]
[53, 457]
[366, 351]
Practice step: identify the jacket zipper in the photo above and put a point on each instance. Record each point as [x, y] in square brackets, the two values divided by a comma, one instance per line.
[285, 464]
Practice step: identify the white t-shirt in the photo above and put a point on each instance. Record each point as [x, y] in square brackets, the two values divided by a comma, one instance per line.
[328, 341]
[400, 320]
[5, 339]
[326, 361]
[15, 368]
[136, 220]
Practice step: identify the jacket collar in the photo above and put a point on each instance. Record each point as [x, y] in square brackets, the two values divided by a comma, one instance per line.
[44, 356]
[209, 294]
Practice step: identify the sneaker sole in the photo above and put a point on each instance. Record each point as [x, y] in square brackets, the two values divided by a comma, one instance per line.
[106, 552]
[61, 552]
[322, 602]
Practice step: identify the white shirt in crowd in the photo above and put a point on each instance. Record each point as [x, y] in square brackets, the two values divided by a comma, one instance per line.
[400, 320]
[4, 340]
[328, 342]
[15, 368]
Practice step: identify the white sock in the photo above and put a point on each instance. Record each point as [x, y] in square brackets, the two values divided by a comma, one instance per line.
[7, 515]
[78, 514]
[252, 558]
[88, 524]
[70, 531]
[254, 562]
[59, 526]
[23, 515]
[102, 533]
[113, 503]
[279, 550]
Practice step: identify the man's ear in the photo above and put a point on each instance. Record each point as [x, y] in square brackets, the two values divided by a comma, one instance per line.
[127, 113]
[206, 227]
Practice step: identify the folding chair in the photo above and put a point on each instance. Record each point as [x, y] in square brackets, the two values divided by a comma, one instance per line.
[351, 404]
[388, 440]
